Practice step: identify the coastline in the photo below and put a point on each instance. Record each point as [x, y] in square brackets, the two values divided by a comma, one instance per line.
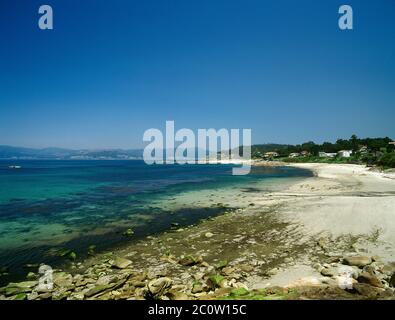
[282, 240]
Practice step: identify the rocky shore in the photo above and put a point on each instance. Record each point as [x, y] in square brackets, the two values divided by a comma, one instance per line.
[257, 252]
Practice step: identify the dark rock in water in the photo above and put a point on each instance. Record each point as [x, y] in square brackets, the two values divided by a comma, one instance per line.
[31, 276]
[91, 250]
[3, 270]
[358, 261]
[31, 265]
[128, 233]
[371, 279]
[67, 253]
[121, 263]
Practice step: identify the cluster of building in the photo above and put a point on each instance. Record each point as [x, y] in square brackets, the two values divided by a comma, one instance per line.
[341, 154]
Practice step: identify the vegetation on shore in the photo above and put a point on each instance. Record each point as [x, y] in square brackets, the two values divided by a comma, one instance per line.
[369, 151]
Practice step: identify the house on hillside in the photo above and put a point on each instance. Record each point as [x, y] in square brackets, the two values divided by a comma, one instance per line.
[363, 150]
[305, 153]
[271, 154]
[294, 155]
[345, 153]
[323, 154]
[391, 143]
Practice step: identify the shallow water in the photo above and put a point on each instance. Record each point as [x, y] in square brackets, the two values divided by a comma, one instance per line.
[48, 205]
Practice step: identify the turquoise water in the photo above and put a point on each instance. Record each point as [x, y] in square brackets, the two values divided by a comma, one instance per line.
[49, 205]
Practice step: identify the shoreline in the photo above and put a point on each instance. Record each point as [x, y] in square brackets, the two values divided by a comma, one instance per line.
[283, 238]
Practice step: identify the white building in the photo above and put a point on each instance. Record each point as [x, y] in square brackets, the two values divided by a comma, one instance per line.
[345, 153]
[294, 155]
[327, 154]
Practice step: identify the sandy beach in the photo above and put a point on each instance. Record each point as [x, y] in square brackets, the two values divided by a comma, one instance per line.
[302, 236]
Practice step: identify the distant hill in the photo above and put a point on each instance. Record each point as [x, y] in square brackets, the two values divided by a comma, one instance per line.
[9, 152]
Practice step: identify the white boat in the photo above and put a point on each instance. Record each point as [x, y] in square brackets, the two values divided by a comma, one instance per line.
[14, 167]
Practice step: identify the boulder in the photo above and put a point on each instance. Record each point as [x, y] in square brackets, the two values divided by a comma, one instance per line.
[358, 261]
[121, 263]
[392, 280]
[63, 280]
[189, 260]
[369, 278]
[158, 287]
[197, 287]
[215, 281]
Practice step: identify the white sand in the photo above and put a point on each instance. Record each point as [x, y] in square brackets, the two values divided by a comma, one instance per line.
[345, 199]
[340, 200]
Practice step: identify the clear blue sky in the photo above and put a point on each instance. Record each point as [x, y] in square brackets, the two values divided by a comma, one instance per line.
[112, 69]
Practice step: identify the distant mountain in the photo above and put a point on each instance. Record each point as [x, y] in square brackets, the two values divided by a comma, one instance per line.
[9, 152]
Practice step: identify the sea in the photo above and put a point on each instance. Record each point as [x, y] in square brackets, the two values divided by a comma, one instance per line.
[49, 206]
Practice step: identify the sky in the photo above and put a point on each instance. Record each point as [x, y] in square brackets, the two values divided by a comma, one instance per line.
[109, 70]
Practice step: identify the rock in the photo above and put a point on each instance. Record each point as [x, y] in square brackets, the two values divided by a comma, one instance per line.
[189, 261]
[289, 260]
[228, 271]
[20, 296]
[60, 295]
[222, 264]
[45, 296]
[3, 270]
[101, 289]
[239, 292]
[121, 263]
[67, 253]
[368, 278]
[91, 250]
[215, 281]
[13, 289]
[246, 267]
[158, 287]
[329, 272]
[208, 235]
[31, 265]
[31, 276]
[367, 290]
[322, 242]
[63, 280]
[177, 295]
[98, 289]
[392, 280]
[358, 261]
[273, 271]
[128, 233]
[76, 296]
[197, 287]
[107, 279]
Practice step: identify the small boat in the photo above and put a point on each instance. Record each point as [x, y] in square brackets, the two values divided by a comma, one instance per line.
[14, 167]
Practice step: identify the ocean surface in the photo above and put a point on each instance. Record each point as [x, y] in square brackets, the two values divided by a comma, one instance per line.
[48, 206]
